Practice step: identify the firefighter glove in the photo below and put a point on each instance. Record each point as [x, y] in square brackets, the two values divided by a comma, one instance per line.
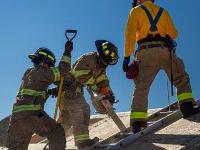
[68, 47]
[68, 85]
[53, 92]
[111, 99]
[125, 64]
[133, 70]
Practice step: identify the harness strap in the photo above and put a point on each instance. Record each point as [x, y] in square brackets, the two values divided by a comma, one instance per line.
[152, 21]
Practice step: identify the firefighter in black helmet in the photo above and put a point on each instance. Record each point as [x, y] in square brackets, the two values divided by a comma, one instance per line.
[43, 55]
[107, 52]
[28, 115]
[89, 71]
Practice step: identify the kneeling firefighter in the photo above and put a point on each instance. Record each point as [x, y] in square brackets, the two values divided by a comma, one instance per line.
[28, 115]
[89, 71]
[153, 29]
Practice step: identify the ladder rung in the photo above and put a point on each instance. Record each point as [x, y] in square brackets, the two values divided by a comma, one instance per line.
[166, 112]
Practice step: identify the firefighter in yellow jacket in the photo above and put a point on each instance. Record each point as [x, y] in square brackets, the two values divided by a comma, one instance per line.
[28, 115]
[89, 71]
[152, 28]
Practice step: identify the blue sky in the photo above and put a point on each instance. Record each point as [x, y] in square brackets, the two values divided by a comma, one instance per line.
[28, 25]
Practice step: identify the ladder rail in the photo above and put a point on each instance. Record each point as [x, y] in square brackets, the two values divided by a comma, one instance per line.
[176, 115]
[153, 117]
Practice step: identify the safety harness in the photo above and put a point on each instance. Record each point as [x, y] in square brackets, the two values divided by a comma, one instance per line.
[152, 21]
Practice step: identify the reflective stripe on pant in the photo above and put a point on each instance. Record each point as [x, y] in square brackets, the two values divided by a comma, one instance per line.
[139, 116]
[152, 60]
[184, 97]
[81, 137]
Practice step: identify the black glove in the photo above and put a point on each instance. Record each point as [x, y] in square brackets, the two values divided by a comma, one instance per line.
[68, 85]
[68, 48]
[53, 92]
[125, 64]
[111, 99]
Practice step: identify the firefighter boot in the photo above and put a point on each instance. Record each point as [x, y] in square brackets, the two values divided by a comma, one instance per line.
[187, 109]
[86, 144]
[137, 126]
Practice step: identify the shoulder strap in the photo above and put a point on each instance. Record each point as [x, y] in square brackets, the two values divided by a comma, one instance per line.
[152, 21]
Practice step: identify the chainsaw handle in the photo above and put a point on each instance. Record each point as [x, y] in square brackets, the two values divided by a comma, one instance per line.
[72, 32]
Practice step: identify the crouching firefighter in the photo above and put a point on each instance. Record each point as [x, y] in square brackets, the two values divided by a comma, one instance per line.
[28, 115]
[89, 71]
[153, 29]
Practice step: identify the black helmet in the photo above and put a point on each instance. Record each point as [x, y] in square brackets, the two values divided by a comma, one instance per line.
[107, 51]
[134, 4]
[43, 55]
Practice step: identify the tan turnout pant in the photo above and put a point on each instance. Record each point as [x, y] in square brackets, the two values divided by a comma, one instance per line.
[23, 125]
[76, 113]
[151, 61]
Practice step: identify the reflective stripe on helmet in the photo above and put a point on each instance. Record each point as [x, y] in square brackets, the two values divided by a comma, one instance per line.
[112, 54]
[106, 52]
[45, 54]
[104, 45]
[138, 115]
[66, 59]
[26, 108]
[78, 73]
[51, 57]
[56, 73]
[31, 92]
[185, 96]
[81, 137]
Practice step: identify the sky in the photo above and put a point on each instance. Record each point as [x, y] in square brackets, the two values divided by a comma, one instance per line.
[27, 25]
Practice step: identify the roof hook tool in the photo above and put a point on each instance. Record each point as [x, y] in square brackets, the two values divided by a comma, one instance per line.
[70, 33]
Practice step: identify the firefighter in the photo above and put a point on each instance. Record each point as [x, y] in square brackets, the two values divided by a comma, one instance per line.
[89, 71]
[152, 28]
[28, 115]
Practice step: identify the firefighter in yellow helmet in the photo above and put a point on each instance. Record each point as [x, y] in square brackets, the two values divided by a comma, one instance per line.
[89, 71]
[28, 115]
[152, 28]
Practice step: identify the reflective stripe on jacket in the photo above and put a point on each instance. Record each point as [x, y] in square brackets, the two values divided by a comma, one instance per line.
[88, 72]
[30, 92]
[21, 108]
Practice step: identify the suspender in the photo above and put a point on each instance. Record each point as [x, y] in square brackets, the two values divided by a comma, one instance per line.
[152, 21]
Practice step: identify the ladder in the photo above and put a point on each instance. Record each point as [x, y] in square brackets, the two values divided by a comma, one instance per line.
[156, 121]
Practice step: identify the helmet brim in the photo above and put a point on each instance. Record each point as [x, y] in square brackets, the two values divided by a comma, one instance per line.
[32, 56]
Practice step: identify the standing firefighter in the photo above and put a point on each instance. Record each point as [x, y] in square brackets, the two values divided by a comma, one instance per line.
[89, 70]
[152, 27]
[28, 115]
